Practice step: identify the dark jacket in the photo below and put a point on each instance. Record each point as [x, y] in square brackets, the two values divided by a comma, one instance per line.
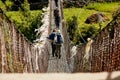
[52, 35]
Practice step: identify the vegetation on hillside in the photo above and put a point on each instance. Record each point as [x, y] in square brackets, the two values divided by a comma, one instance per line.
[14, 5]
[103, 7]
[87, 30]
[26, 20]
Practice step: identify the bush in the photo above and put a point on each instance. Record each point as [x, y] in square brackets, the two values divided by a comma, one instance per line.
[72, 27]
[78, 4]
[80, 34]
[29, 24]
[26, 21]
[87, 32]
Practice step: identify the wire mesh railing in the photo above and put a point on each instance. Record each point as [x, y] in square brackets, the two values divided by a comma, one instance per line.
[19, 55]
[104, 54]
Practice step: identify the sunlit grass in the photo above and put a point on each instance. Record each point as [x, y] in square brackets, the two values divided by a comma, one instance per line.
[83, 13]
[104, 7]
[17, 16]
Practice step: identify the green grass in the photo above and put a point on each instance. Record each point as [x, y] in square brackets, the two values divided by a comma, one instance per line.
[83, 13]
[17, 17]
[104, 7]
[89, 30]
[26, 23]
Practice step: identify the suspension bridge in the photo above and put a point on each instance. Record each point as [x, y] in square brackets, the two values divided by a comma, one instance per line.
[19, 55]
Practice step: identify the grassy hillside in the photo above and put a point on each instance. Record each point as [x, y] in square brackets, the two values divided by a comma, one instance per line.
[25, 19]
[26, 23]
[104, 7]
[82, 14]
[17, 16]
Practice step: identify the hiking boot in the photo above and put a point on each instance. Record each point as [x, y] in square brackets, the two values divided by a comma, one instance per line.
[56, 55]
[59, 56]
[52, 55]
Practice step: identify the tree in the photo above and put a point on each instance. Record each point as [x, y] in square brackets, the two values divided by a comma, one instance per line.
[72, 27]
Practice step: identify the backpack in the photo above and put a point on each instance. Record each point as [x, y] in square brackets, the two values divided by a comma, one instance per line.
[58, 39]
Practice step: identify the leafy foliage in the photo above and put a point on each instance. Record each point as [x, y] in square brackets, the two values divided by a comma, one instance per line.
[81, 31]
[72, 27]
[26, 21]
[75, 3]
[79, 34]
[6, 4]
[26, 25]
[87, 32]
[103, 7]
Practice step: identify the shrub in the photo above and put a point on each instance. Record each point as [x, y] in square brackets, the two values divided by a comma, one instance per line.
[87, 32]
[78, 4]
[72, 27]
[26, 21]
[80, 34]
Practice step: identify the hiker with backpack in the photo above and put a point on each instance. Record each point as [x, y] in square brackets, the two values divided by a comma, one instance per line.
[51, 37]
[57, 17]
[56, 3]
[58, 43]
